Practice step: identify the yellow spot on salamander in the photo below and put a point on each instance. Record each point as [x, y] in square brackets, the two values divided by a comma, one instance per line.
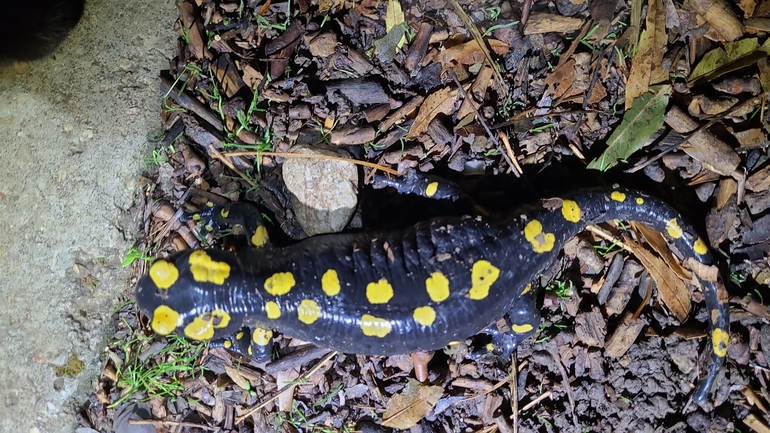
[719, 339]
[437, 286]
[673, 229]
[205, 270]
[225, 212]
[379, 292]
[163, 274]
[228, 344]
[541, 242]
[425, 316]
[571, 211]
[203, 326]
[330, 283]
[483, 275]
[639, 201]
[280, 283]
[431, 189]
[521, 329]
[260, 237]
[700, 247]
[209, 204]
[375, 326]
[196, 217]
[272, 310]
[261, 337]
[165, 320]
[239, 335]
[618, 196]
[526, 289]
[308, 311]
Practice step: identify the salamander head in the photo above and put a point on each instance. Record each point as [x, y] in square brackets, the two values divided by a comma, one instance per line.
[186, 294]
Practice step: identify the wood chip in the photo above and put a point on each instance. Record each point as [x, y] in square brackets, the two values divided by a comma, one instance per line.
[625, 335]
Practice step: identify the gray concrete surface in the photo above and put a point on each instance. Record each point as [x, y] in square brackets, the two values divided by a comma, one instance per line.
[75, 130]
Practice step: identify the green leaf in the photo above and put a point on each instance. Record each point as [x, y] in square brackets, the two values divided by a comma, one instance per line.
[734, 56]
[394, 17]
[639, 124]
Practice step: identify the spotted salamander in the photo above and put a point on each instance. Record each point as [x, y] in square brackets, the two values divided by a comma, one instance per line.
[400, 291]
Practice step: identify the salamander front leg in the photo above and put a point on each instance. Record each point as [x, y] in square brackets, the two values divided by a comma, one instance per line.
[519, 324]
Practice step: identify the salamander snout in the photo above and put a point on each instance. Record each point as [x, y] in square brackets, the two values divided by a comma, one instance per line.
[178, 295]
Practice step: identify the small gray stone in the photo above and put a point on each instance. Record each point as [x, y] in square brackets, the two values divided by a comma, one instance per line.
[324, 192]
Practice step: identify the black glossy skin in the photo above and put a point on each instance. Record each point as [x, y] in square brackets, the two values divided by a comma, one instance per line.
[405, 258]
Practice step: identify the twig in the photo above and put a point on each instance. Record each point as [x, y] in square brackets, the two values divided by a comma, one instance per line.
[480, 40]
[305, 155]
[171, 423]
[285, 388]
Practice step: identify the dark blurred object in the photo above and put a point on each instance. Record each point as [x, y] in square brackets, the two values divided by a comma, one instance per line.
[32, 29]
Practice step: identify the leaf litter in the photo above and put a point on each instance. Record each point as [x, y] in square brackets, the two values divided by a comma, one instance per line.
[676, 101]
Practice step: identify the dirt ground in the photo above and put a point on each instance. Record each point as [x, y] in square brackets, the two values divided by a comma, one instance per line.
[76, 128]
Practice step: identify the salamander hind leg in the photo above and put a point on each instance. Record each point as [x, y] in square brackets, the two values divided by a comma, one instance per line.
[256, 343]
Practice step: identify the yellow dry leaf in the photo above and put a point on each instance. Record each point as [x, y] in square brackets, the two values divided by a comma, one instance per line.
[394, 16]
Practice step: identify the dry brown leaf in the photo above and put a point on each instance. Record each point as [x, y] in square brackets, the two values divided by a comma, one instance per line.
[660, 245]
[671, 288]
[570, 81]
[560, 80]
[441, 101]
[470, 53]
[407, 408]
[646, 68]
[321, 45]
